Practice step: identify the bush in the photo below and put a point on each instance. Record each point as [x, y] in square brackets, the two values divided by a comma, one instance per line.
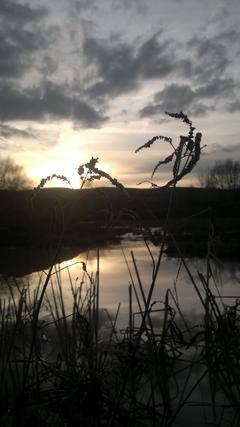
[223, 175]
[13, 176]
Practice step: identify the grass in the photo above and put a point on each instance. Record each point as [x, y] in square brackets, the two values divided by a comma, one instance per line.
[67, 368]
[75, 368]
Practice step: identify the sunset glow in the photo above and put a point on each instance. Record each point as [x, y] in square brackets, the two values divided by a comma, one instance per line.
[77, 86]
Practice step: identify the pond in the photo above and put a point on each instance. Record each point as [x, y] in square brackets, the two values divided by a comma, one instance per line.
[120, 267]
[117, 272]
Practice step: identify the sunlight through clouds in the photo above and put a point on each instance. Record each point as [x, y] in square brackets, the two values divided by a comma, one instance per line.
[75, 85]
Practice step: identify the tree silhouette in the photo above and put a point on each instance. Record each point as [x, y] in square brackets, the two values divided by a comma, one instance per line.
[13, 176]
[224, 175]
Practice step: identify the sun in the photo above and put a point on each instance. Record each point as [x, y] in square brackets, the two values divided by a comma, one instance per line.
[68, 171]
[74, 149]
[67, 168]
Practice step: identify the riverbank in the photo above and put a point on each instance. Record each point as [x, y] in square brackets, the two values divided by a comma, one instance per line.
[98, 216]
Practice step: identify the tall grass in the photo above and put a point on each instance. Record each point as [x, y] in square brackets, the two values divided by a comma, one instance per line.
[72, 368]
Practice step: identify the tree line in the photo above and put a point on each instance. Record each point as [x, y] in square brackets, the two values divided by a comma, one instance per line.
[223, 175]
[13, 176]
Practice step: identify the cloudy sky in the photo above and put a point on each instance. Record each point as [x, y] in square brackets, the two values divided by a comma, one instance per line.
[94, 78]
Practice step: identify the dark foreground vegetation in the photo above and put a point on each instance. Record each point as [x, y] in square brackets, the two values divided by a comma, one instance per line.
[73, 367]
[61, 368]
[84, 218]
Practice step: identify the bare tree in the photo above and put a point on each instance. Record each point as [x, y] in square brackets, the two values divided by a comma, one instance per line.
[13, 176]
[223, 174]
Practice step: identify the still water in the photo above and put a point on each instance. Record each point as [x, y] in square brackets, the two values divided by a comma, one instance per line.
[117, 272]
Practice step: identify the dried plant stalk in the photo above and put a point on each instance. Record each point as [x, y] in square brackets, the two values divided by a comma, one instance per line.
[185, 156]
[89, 172]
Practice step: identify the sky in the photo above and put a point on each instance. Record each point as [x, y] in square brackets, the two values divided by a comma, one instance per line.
[83, 78]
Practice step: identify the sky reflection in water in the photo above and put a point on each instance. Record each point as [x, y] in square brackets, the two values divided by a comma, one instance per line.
[114, 283]
[115, 278]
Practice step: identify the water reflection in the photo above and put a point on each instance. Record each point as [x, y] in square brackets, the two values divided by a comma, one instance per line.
[115, 264]
[117, 272]
[21, 261]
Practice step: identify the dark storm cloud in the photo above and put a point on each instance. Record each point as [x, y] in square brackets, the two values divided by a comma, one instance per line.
[21, 13]
[221, 88]
[51, 101]
[30, 48]
[17, 49]
[175, 97]
[155, 59]
[21, 37]
[10, 65]
[198, 101]
[7, 132]
[120, 68]
[116, 70]
[13, 138]
[221, 14]
[211, 59]
[139, 5]
[26, 38]
[227, 37]
[213, 56]
[234, 106]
